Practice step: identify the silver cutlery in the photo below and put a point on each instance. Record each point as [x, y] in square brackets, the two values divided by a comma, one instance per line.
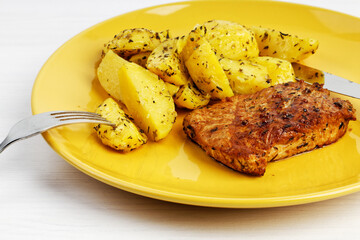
[44, 121]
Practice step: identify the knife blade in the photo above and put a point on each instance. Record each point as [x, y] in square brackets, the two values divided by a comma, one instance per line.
[330, 81]
[341, 85]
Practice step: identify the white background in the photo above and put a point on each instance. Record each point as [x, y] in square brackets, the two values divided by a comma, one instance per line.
[43, 197]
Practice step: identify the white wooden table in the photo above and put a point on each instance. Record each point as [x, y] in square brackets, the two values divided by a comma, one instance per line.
[43, 197]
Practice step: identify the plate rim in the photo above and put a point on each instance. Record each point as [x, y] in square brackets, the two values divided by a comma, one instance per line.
[221, 202]
[262, 202]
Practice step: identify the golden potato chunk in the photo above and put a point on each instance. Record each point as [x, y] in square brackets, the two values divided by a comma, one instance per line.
[205, 69]
[173, 89]
[192, 42]
[180, 43]
[250, 76]
[229, 39]
[245, 76]
[308, 74]
[279, 70]
[190, 97]
[107, 73]
[281, 45]
[140, 58]
[165, 61]
[133, 41]
[125, 136]
[148, 100]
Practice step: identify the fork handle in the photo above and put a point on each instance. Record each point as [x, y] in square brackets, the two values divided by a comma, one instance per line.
[5, 144]
[7, 141]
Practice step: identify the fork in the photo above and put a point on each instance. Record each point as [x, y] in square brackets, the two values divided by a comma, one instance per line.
[39, 123]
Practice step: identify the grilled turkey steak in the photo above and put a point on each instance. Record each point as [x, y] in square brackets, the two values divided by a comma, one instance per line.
[245, 132]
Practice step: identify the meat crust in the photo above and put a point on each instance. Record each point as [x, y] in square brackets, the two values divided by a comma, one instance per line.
[245, 132]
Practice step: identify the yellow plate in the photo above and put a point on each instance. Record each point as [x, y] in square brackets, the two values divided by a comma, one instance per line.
[175, 169]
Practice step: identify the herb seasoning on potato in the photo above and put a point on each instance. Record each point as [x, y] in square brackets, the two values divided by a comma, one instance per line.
[125, 136]
[133, 41]
[289, 47]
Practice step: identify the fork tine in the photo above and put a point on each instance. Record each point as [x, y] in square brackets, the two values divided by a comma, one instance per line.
[69, 118]
[81, 116]
[85, 120]
[76, 115]
[73, 113]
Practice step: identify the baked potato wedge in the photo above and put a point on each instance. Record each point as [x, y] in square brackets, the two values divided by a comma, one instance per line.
[308, 74]
[245, 76]
[173, 89]
[229, 39]
[107, 73]
[285, 46]
[190, 97]
[133, 41]
[165, 61]
[140, 58]
[125, 136]
[205, 69]
[250, 76]
[192, 41]
[279, 70]
[148, 100]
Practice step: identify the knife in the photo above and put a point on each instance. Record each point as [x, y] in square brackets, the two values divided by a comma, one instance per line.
[331, 82]
[341, 85]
